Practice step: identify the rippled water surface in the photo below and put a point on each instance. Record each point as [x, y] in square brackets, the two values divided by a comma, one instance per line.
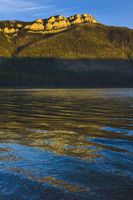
[66, 144]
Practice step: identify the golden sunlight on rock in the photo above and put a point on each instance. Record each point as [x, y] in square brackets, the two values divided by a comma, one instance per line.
[19, 25]
[10, 30]
[51, 19]
[60, 24]
[40, 21]
[60, 18]
[54, 24]
[37, 27]
[78, 16]
[77, 21]
[49, 27]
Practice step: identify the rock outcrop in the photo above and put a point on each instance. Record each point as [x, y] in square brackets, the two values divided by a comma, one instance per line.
[51, 20]
[36, 27]
[54, 23]
[7, 30]
[49, 26]
[19, 25]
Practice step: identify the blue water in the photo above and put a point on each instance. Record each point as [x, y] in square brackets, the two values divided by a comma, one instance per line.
[66, 144]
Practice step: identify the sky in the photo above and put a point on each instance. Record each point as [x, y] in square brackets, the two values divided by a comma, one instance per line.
[110, 12]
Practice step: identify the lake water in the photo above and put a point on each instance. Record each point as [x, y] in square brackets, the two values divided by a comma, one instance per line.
[66, 144]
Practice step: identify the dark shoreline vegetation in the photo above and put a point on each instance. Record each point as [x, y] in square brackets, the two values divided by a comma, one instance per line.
[84, 56]
[49, 72]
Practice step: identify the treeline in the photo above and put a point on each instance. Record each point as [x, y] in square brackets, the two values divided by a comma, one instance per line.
[48, 72]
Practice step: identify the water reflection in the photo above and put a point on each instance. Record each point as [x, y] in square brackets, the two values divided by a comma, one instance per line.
[66, 144]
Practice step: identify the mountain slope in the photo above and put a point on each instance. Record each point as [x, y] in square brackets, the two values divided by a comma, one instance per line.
[81, 55]
[6, 46]
[82, 41]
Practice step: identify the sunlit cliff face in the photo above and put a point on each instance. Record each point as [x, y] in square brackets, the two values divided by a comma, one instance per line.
[53, 24]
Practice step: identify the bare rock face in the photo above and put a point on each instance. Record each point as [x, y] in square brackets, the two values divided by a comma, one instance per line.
[53, 23]
[49, 27]
[39, 21]
[78, 19]
[60, 24]
[89, 18]
[71, 18]
[37, 27]
[10, 30]
[86, 15]
[68, 24]
[27, 27]
[94, 21]
[60, 18]
[78, 16]
[19, 25]
[51, 19]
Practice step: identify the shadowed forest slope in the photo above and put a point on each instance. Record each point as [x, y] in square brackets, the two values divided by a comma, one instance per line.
[51, 72]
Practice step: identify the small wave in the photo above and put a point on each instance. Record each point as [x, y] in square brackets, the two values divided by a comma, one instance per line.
[118, 130]
[37, 130]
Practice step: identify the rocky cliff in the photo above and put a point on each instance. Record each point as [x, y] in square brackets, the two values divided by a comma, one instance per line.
[53, 24]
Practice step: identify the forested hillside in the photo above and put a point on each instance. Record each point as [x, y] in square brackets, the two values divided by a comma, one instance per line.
[82, 55]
